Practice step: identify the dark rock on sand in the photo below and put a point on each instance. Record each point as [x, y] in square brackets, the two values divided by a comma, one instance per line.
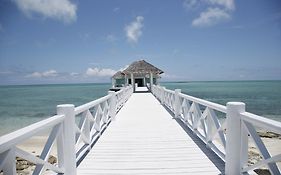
[23, 164]
[262, 171]
[269, 134]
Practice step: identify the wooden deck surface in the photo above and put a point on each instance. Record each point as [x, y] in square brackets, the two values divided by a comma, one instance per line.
[145, 139]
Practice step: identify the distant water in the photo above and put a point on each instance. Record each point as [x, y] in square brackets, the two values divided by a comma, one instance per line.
[23, 105]
[261, 97]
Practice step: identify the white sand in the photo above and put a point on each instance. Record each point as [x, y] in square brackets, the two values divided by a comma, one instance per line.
[35, 146]
[273, 146]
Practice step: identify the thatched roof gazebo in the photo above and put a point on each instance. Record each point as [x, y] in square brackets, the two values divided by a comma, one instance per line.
[141, 67]
[118, 74]
[139, 73]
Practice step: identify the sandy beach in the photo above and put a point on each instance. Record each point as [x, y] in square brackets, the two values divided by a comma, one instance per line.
[272, 144]
[35, 146]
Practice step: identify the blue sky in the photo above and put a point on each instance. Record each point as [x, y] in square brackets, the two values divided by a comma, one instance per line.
[77, 41]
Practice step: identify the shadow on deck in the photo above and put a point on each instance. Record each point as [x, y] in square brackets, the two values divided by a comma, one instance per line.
[214, 158]
[126, 149]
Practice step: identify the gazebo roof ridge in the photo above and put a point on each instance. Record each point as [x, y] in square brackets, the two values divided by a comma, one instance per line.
[141, 66]
[118, 74]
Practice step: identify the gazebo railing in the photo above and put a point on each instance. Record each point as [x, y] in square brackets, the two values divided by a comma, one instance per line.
[73, 130]
[225, 129]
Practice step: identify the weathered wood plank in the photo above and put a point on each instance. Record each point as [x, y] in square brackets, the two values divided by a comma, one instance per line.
[145, 139]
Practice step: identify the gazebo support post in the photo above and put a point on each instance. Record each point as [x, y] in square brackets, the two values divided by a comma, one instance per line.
[151, 80]
[133, 81]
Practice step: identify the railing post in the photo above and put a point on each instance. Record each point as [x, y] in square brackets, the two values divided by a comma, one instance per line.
[233, 137]
[113, 102]
[10, 162]
[162, 94]
[66, 146]
[177, 103]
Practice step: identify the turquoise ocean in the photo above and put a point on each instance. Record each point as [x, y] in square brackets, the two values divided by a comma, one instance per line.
[21, 105]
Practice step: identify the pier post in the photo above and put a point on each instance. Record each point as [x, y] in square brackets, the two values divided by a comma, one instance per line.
[162, 95]
[10, 162]
[177, 103]
[133, 81]
[234, 137]
[113, 102]
[150, 80]
[66, 140]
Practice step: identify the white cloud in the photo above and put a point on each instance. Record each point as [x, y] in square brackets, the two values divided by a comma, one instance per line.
[166, 76]
[227, 4]
[74, 74]
[211, 17]
[97, 72]
[6, 72]
[216, 11]
[190, 4]
[46, 74]
[133, 30]
[62, 10]
[116, 9]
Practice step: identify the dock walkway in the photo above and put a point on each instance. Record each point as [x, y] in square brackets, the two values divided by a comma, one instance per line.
[146, 139]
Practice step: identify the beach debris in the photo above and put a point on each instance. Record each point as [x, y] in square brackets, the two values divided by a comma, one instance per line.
[254, 157]
[268, 134]
[52, 159]
[262, 171]
[22, 164]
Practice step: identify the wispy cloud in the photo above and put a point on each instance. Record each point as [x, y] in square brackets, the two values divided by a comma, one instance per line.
[111, 38]
[62, 10]
[6, 72]
[133, 30]
[74, 74]
[100, 72]
[85, 36]
[211, 17]
[168, 77]
[116, 9]
[217, 11]
[45, 74]
[190, 4]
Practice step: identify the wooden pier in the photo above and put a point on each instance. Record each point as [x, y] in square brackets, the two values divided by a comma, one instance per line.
[146, 139]
[157, 132]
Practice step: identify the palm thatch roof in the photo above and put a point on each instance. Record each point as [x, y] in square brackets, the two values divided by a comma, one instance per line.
[118, 75]
[142, 67]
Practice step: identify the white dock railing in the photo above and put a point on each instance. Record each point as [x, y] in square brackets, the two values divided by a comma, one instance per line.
[122, 96]
[225, 129]
[72, 140]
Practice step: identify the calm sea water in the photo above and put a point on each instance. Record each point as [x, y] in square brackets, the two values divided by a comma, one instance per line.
[23, 105]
